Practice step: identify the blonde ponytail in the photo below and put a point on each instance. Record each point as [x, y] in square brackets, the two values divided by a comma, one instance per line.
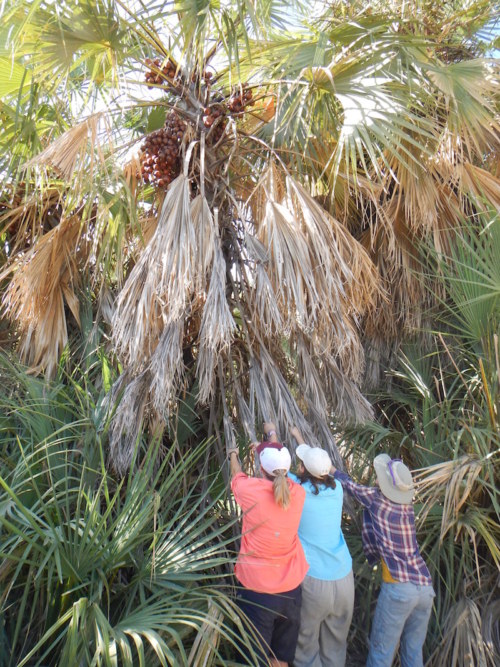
[281, 489]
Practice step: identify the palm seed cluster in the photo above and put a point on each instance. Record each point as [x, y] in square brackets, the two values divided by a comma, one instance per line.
[161, 151]
[160, 156]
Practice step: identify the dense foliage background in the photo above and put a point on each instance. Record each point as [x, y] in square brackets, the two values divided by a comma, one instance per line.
[214, 213]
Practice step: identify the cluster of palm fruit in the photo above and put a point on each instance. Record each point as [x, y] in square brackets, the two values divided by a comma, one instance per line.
[160, 153]
[240, 98]
[157, 72]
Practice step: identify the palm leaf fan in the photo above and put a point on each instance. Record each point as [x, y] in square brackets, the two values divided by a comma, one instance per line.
[65, 154]
[289, 268]
[205, 233]
[167, 367]
[259, 290]
[158, 286]
[126, 424]
[44, 280]
[479, 184]
[217, 326]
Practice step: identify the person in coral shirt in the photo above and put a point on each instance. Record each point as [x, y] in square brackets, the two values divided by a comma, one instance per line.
[271, 563]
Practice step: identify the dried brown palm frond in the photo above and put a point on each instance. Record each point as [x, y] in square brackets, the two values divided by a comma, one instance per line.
[131, 401]
[217, 326]
[67, 153]
[259, 291]
[205, 233]
[158, 286]
[271, 187]
[479, 183]
[463, 644]
[28, 215]
[166, 366]
[44, 279]
[131, 173]
[289, 269]
[452, 479]
[207, 639]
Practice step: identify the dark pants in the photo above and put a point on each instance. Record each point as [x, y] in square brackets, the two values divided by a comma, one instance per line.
[276, 617]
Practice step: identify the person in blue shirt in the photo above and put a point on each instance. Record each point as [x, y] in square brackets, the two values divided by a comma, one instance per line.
[328, 589]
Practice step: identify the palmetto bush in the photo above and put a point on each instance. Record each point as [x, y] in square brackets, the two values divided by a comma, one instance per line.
[442, 416]
[99, 571]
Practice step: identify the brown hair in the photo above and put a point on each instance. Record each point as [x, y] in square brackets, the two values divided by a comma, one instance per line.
[306, 476]
[281, 490]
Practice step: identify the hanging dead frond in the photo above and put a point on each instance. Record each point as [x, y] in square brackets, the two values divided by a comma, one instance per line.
[44, 280]
[131, 400]
[462, 644]
[67, 152]
[157, 288]
[166, 366]
[207, 639]
[217, 326]
[449, 483]
[205, 234]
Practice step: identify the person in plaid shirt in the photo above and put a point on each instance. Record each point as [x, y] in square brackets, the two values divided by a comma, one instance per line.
[405, 600]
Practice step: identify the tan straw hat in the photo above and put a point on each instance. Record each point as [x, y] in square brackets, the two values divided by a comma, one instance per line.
[394, 479]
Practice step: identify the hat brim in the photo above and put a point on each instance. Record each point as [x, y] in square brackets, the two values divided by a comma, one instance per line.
[385, 482]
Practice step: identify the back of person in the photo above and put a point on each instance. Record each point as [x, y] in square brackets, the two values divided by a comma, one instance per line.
[328, 588]
[271, 563]
[320, 532]
[271, 558]
[406, 595]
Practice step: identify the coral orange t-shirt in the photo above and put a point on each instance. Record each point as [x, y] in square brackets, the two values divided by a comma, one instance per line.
[271, 558]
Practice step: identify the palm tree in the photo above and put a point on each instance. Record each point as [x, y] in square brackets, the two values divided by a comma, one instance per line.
[243, 199]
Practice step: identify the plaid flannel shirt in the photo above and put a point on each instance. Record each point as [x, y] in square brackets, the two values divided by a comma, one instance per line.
[388, 533]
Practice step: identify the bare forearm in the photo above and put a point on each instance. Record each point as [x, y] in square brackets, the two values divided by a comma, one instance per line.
[297, 435]
[234, 463]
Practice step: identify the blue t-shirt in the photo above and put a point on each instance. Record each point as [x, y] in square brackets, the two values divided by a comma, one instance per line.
[320, 533]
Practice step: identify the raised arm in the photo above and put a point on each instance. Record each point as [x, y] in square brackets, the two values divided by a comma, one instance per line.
[234, 461]
[297, 435]
[363, 494]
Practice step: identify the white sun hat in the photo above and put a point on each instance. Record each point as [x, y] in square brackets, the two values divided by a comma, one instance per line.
[316, 461]
[394, 479]
[274, 456]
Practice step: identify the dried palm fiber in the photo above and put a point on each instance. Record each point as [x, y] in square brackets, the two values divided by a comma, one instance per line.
[455, 481]
[156, 291]
[309, 379]
[207, 638]
[345, 395]
[166, 366]
[289, 268]
[478, 183]
[271, 390]
[406, 293]
[417, 194]
[462, 644]
[323, 434]
[345, 277]
[126, 424]
[217, 326]
[271, 186]
[205, 233]
[259, 291]
[131, 173]
[44, 279]
[26, 215]
[66, 154]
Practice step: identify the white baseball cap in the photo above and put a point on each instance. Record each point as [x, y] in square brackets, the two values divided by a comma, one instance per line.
[274, 456]
[394, 479]
[316, 461]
